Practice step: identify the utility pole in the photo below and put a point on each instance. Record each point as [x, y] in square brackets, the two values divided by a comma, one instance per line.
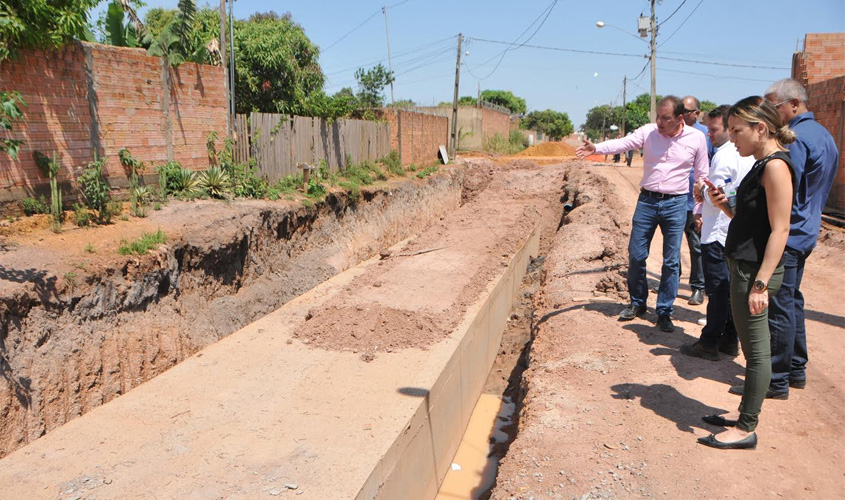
[652, 114]
[453, 143]
[389, 63]
[624, 102]
[223, 63]
[478, 101]
[232, 59]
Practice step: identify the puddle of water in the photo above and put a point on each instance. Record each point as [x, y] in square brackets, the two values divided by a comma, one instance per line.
[473, 470]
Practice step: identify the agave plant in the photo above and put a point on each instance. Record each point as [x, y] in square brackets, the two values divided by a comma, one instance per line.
[142, 195]
[186, 181]
[215, 182]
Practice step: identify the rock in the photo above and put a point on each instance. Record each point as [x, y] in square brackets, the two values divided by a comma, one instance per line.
[291, 486]
[275, 492]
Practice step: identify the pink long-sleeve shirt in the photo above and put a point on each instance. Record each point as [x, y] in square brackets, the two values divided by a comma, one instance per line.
[667, 160]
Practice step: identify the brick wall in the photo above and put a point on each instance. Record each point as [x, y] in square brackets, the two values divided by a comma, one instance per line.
[494, 122]
[416, 136]
[827, 102]
[89, 96]
[57, 115]
[821, 59]
[821, 68]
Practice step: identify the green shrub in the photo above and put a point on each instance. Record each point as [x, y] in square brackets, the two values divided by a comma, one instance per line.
[393, 163]
[81, 215]
[170, 178]
[31, 206]
[315, 189]
[142, 245]
[96, 190]
[422, 174]
[518, 139]
[245, 180]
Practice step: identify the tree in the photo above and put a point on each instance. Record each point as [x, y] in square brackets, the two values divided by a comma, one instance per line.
[707, 106]
[371, 84]
[276, 66]
[467, 100]
[177, 42]
[41, 24]
[599, 120]
[507, 99]
[552, 123]
[404, 103]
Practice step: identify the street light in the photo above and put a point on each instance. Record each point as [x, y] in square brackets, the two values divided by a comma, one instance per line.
[651, 27]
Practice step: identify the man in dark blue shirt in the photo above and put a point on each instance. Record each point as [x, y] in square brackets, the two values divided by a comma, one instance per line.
[692, 110]
[815, 158]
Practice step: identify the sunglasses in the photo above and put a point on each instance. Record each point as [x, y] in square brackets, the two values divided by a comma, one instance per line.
[688, 111]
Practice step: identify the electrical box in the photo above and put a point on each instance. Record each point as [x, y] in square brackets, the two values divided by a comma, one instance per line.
[643, 26]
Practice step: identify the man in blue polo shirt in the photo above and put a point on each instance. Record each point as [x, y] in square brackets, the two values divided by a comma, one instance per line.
[815, 158]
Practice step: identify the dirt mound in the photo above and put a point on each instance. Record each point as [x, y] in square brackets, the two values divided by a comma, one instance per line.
[371, 328]
[549, 149]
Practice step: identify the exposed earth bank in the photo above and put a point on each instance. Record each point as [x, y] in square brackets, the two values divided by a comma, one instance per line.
[612, 410]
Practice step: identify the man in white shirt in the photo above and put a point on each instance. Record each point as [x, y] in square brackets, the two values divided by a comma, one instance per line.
[727, 169]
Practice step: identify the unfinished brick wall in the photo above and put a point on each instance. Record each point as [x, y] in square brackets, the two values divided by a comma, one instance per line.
[57, 115]
[88, 97]
[821, 59]
[416, 136]
[827, 102]
[494, 122]
[821, 68]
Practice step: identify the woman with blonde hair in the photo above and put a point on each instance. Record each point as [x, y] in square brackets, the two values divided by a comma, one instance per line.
[754, 249]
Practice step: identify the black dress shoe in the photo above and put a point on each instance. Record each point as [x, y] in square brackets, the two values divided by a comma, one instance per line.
[700, 350]
[632, 312]
[739, 389]
[697, 298]
[747, 443]
[719, 420]
[664, 322]
[798, 384]
[729, 349]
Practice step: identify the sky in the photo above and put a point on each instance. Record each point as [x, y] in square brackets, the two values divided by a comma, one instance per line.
[550, 52]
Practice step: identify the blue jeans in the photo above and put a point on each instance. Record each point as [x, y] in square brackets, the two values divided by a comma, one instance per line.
[696, 272]
[670, 214]
[717, 285]
[786, 323]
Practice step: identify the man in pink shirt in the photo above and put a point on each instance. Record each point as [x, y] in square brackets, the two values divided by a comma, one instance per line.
[670, 150]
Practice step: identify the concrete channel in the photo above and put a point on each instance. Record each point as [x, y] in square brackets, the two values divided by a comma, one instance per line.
[272, 410]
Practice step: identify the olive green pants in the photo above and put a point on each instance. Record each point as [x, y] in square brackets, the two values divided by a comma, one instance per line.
[753, 332]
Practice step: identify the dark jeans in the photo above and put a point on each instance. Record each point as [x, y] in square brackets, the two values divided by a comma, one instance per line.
[720, 328]
[786, 322]
[753, 330]
[629, 156]
[651, 213]
[696, 273]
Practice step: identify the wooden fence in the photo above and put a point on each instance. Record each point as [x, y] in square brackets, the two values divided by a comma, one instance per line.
[279, 143]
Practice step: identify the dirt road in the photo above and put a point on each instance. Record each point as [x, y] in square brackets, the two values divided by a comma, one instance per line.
[613, 409]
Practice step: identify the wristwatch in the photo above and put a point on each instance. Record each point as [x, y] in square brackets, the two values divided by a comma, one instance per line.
[760, 286]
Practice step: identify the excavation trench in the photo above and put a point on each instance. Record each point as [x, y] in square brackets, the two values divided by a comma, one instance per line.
[389, 341]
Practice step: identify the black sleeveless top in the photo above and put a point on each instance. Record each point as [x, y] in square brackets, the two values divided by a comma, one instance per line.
[749, 230]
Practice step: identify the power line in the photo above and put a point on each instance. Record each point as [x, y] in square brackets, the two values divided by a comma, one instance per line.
[721, 77]
[561, 49]
[395, 56]
[724, 64]
[356, 28]
[353, 30]
[682, 24]
[673, 13]
[547, 11]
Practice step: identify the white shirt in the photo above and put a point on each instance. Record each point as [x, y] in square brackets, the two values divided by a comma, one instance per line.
[725, 164]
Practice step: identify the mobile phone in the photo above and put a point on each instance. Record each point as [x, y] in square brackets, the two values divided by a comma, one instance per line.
[710, 184]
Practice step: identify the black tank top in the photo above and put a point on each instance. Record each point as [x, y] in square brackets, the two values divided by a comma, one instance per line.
[748, 233]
